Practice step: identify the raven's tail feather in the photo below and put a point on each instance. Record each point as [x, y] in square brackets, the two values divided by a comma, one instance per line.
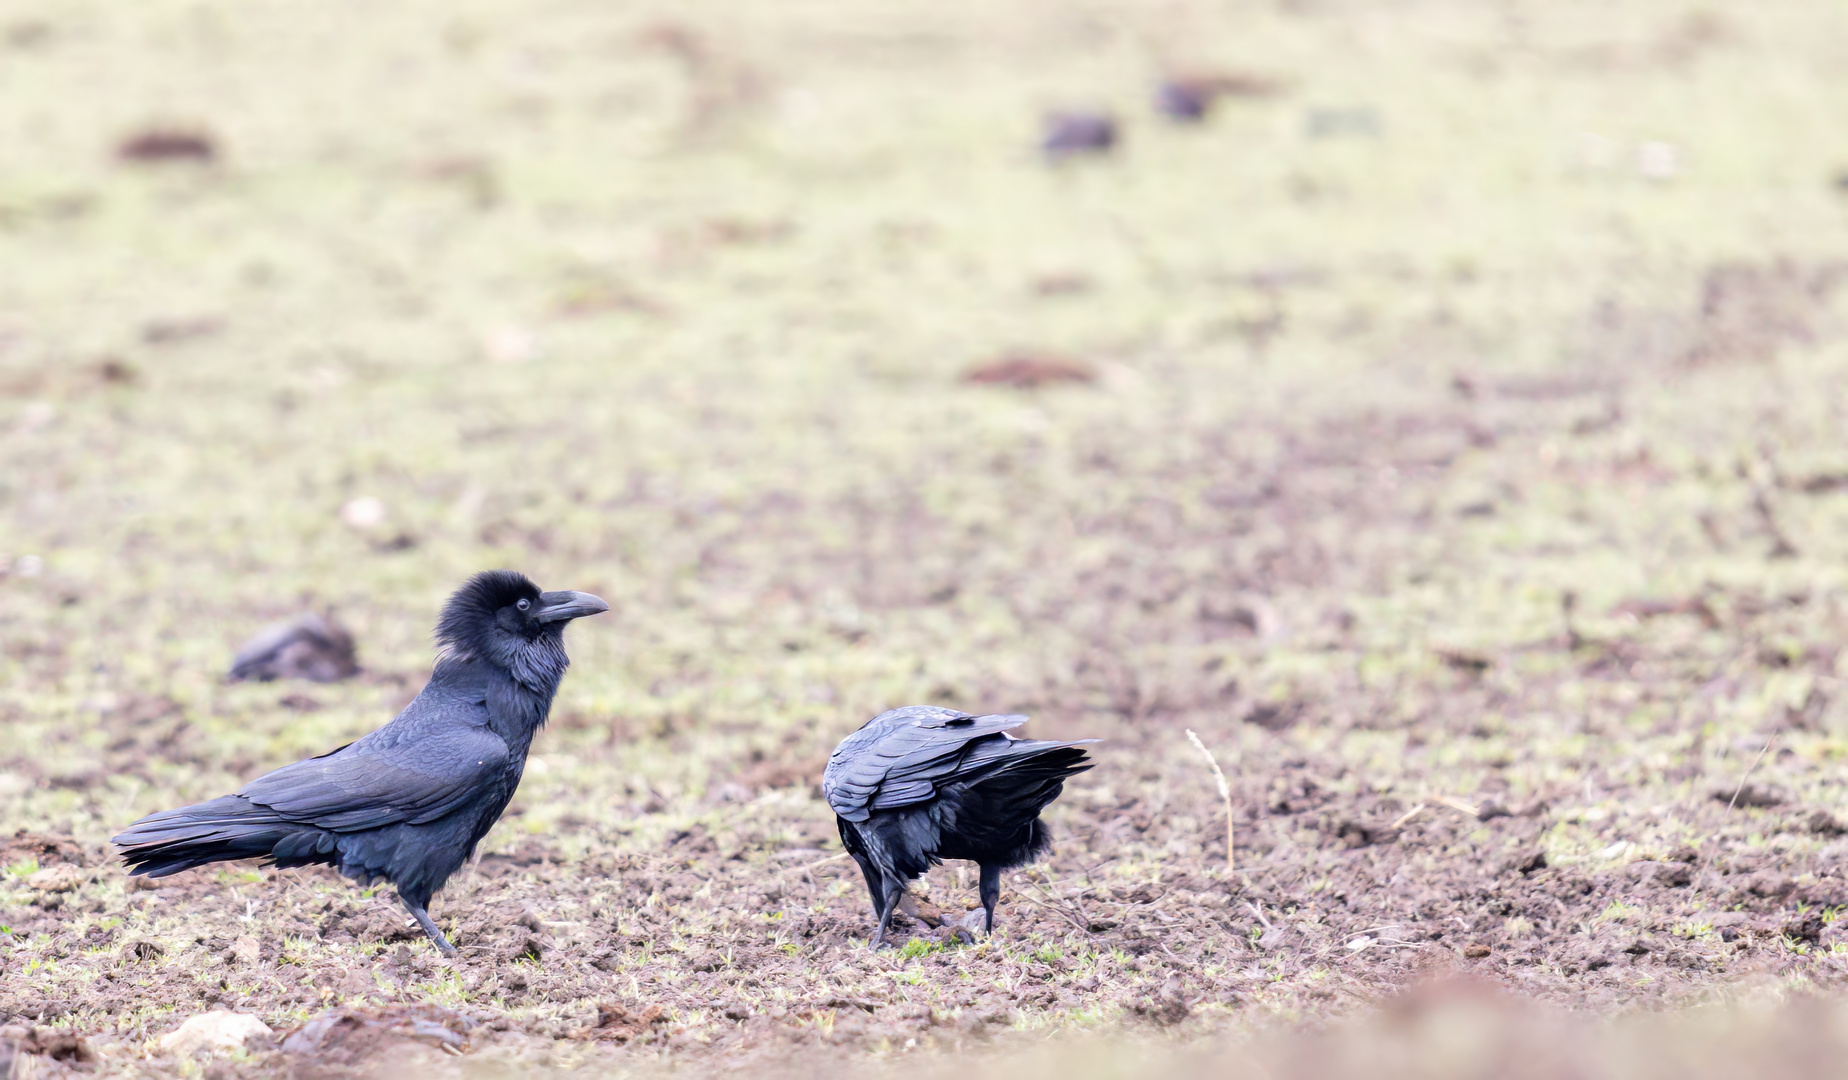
[221, 830]
[1025, 763]
[1029, 777]
[992, 815]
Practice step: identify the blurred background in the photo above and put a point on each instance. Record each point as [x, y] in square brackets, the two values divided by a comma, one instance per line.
[1424, 398]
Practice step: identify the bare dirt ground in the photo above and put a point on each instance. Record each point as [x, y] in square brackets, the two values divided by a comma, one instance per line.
[1450, 437]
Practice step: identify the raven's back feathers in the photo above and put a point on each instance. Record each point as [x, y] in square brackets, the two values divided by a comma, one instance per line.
[900, 757]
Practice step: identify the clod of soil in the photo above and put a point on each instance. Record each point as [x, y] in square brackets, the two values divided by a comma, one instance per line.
[619, 1023]
[163, 145]
[1751, 794]
[18, 1045]
[115, 370]
[308, 646]
[1074, 134]
[1190, 98]
[1027, 371]
[1653, 609]
[347, 1036]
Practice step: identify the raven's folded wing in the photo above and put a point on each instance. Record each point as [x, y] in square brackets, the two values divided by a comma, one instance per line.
[900, 761]
[437, 757]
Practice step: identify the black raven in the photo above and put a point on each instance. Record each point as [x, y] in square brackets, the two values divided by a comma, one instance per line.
[921, 784]
[409, 802]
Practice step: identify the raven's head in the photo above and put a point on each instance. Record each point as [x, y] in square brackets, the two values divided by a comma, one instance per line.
[501, 617]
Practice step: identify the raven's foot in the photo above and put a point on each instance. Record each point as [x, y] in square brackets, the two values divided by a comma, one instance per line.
[428, 924]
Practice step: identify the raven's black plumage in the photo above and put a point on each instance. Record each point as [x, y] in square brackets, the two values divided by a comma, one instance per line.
[921, 784]
[409, 802]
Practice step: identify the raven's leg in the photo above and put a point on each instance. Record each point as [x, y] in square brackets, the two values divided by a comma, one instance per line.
[990, 893]
[874, 882]
[422, 916]
[894, 889]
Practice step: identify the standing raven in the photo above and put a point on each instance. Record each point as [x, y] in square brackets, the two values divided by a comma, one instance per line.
[409, 802]
[920, 784]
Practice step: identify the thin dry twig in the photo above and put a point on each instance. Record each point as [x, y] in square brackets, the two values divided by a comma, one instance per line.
[1730, 803]
[810, 866]
[1456, 804]
[1399, 823]
[1050, 903]
[1225, 793]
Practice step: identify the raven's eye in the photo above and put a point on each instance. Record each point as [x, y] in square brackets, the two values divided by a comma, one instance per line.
[524, 604]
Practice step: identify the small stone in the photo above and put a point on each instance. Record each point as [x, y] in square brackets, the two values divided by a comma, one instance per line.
[363, 513]
[509, 344]
[1658, 160]
[56, 879]
[217, 1032]
[1475, 951]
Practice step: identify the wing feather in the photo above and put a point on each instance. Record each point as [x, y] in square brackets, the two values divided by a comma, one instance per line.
[902, 757]
[435, 758]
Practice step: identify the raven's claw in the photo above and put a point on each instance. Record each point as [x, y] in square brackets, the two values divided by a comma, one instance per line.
[424, 920]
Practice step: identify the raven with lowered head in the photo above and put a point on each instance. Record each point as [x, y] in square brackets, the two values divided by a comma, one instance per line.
[409, 802]
[921, 784]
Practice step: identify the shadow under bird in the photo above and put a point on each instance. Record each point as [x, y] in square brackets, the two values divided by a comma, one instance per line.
[922, 784]
[409, 802]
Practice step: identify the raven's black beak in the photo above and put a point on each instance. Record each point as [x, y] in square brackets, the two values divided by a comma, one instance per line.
[559, 606]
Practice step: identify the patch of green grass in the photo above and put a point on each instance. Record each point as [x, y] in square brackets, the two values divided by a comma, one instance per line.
[918, 947]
